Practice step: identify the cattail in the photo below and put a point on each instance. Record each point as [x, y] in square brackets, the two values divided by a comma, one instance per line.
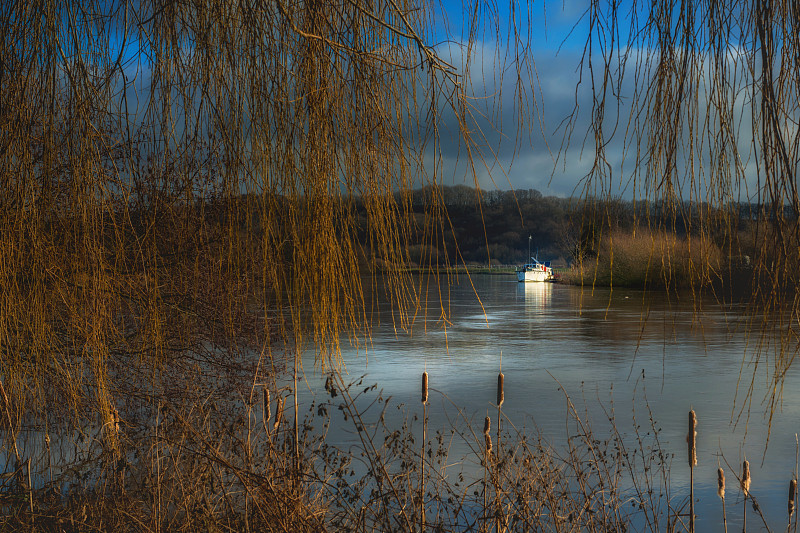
[488, 439]
[278, 413]
[721, 494]
[691, 438]
[424, 387]
[500, 395]
[487, 425]
[746, 477]
[792, 492]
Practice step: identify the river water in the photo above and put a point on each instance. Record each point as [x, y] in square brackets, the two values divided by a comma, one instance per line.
[603, 349]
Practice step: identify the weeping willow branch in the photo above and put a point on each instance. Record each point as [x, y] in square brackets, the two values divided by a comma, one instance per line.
[701, 98]
[186, 184]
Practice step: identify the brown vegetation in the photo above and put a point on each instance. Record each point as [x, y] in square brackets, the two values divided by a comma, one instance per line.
[651, 259]
[188, 192]
[227, 466]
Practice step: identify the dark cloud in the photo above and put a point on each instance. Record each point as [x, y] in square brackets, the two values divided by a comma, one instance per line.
[537, 129]
[520, 126]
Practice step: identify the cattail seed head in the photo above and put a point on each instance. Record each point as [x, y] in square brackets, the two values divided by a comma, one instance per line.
[267, 406]
[691, 438]
[792, 492]
[487, 425]
[500, 395]
[488, 439]
[746, 478]
[424, 387]
[721, 483]
[278, 413]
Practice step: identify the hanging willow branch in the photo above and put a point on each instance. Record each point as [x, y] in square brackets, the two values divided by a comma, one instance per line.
[186, 183]
[694, 110]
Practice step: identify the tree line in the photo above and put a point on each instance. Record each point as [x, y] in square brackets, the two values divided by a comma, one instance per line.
[496, 227]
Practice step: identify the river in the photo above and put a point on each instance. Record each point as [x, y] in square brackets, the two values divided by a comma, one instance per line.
[604, 349]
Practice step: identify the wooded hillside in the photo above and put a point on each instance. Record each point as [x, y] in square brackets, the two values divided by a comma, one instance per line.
[495, 225]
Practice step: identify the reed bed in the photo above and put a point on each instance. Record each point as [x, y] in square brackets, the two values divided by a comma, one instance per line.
[227, 463]
[652, 259]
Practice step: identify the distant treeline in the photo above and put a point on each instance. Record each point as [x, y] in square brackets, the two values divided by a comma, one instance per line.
[455, 224]
[498, 226]
[452, 225]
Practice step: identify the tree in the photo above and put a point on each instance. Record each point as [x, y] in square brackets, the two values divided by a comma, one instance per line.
[703, 95]
[182, 184]
[179, 180]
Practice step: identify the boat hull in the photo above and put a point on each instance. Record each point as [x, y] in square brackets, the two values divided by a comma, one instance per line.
[533, 275]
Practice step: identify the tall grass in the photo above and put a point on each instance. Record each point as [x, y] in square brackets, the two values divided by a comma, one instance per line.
[650, 259]
[225, 465]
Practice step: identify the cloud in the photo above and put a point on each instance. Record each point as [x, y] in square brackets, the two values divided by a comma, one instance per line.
[517, 119]
[536, 124]
[531, 122]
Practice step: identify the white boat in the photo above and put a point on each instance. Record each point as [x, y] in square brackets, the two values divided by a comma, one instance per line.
[535, 271]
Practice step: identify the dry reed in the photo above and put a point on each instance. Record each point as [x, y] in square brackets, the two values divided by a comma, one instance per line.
[278, 414]
[498, 500]
[421, 498]
[266, 409]
[582, 484]
[746, 480]
[744, 483]
[691, 439]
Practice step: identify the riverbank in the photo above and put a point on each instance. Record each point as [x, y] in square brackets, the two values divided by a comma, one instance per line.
[647, 260]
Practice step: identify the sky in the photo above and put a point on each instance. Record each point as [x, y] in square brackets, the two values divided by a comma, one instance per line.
[548, 152]
[561, 86]
[534, 156]
[529, 159]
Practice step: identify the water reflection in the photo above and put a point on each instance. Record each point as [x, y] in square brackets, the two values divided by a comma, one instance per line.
[597, 346]
[537, 296]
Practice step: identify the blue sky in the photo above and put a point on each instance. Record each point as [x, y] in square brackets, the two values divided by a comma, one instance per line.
[562, 82]
[534, 156]
[531, 156]
[525, 159]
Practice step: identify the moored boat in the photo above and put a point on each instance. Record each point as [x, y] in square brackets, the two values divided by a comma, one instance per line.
[535, 271]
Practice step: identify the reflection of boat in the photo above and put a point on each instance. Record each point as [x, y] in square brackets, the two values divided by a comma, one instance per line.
[535, 271]
[537, 296]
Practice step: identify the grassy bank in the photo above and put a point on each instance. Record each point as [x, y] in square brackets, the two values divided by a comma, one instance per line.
[503, 270]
